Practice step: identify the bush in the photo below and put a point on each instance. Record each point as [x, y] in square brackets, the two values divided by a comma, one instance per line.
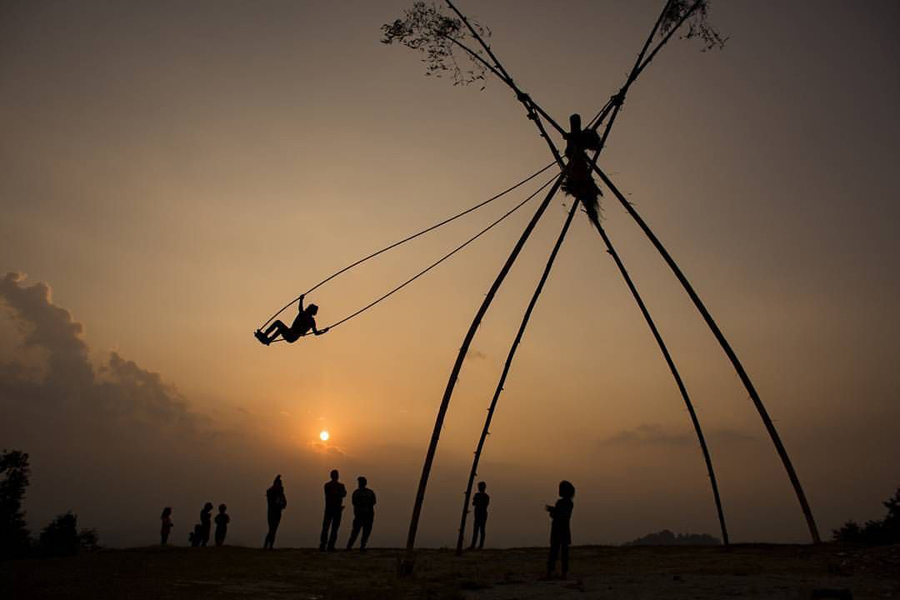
[885, 531]
[61, 537]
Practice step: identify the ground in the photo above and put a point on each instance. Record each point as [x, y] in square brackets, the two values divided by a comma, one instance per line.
[749, 571]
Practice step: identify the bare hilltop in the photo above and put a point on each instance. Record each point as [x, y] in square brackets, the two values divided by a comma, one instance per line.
[743, 571]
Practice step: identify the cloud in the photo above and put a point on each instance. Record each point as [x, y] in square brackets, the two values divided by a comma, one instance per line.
[476, 355]
[118, 389]
[649, 434]
[50, 327]
[325, 448]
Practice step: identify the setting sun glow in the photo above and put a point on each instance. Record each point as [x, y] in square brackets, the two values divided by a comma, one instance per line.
[323, 435]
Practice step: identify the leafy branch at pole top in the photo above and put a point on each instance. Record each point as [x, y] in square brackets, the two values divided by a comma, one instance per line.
[427, 29]
[697, 22]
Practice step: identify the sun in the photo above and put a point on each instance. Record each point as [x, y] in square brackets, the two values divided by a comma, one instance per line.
[323, 435]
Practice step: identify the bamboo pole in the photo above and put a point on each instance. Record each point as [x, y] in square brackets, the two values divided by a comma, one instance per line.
[729, 352]
[506, 367]
[409, 561]
[678, 381]
[534, 110]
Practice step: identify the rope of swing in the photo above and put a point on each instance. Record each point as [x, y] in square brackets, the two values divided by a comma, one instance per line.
[452, 252]
[410, 238]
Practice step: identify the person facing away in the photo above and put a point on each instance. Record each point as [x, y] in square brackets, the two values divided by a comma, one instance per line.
[205, 523]
[277, 502]
[222, 520]
[335, 492]
[480, 502]
[560, 533]
[363, 500]
[303, 323]
[166, 519]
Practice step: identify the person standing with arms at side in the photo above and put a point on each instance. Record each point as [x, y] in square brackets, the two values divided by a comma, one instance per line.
[480, 502]
[335, 492]
[222, 520]
[363, 514]
[205, 523]
[277, 502]
[560, 532]
[166, 518]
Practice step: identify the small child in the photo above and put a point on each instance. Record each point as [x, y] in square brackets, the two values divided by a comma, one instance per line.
[166, 518]
[560, 533]
[196, 536]
[222, 520]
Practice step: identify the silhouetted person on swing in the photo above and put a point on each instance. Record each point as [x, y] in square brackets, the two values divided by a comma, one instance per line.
[560, 533]
[303, 323]
[363, 500]
[579, 181]
[277, 502]
[335, 492]
[480, 502]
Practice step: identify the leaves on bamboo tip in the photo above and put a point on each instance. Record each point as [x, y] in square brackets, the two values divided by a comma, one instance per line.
[441, 38]
[695, 13]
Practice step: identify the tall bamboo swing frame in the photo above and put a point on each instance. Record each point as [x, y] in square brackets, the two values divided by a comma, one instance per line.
[608, 115]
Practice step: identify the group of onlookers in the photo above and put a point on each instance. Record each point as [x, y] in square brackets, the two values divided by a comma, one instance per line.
[363, 501]
[200, 535]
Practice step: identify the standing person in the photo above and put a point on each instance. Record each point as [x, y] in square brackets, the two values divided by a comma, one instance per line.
[277, 502]
[205, 523]
[560, 533]
[363, 500]
[335, 492]
[166, 519]
[222, 520]
[480, 502]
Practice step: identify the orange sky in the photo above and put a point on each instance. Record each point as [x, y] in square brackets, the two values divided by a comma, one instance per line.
[175, 173]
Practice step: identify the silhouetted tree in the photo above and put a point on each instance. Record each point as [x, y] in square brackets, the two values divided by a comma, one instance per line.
[14, 537]
[61, 537]
[885, 531]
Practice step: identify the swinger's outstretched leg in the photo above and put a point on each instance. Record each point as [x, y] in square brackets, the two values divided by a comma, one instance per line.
[278, 328]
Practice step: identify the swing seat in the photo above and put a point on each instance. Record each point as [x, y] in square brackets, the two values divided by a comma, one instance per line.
[261, 337]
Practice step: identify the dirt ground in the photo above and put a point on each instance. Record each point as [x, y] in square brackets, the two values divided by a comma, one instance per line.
[748, 571]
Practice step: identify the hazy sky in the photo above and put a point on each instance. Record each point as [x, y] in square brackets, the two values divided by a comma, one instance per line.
[177, 171]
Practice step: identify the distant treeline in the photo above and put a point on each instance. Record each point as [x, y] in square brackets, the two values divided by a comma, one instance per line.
[59, 538]
[667, 538]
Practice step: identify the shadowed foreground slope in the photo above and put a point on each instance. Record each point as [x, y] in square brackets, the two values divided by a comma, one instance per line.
[753, 571]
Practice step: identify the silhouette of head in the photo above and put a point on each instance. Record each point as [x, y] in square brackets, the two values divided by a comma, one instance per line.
[222, 508]
[575, 122]
[566, 490]
[481, 486]
[208, 506]
[277, 481]
[334, 475]
[312, 310]
[166, 512]
[362, 481]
